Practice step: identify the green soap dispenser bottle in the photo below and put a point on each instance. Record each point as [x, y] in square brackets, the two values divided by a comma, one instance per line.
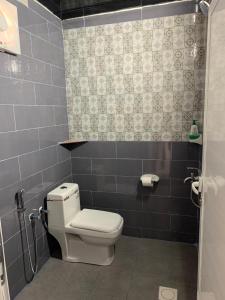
[194, 131]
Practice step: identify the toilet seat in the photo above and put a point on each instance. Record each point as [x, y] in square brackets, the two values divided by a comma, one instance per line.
[94, 233]
[96, 220]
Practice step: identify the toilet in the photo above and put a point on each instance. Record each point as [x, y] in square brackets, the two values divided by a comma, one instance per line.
[87, 235]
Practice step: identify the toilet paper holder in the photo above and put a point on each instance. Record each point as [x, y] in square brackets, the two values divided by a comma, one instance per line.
[148, 180]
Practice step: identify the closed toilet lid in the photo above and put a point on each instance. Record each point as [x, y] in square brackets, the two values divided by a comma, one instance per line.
[97, 220]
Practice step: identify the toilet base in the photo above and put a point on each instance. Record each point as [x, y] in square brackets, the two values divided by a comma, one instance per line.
[74, 249]
[80, 251]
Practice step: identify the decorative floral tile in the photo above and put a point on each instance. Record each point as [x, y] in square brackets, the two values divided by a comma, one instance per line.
[136, 81]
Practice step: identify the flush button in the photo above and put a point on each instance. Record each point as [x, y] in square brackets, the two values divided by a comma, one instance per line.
[63, 187]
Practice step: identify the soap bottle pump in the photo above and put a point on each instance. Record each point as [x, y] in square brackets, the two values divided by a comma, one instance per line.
[194, 131]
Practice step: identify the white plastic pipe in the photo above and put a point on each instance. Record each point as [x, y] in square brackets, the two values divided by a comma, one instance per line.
[195, 186]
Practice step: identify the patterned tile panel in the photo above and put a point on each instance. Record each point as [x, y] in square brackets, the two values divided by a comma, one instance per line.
[136, 81]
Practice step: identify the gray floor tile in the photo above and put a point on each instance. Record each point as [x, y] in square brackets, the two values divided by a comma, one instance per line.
[106, 295]
[139, 268]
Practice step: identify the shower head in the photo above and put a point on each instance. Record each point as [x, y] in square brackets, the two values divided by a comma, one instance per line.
[204, 7]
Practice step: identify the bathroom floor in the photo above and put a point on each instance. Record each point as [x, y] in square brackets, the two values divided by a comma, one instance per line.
[139, 268]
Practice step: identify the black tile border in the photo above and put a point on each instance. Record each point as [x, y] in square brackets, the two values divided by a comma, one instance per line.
[101, 15]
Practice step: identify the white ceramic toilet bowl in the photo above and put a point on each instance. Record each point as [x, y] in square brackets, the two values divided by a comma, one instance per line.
[87, 235]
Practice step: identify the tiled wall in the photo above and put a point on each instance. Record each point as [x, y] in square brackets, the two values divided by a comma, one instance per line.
[33, 119]
[108, 174]
[139, 80]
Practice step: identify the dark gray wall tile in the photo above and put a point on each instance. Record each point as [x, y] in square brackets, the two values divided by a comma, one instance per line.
[162, 168]
[182, 206]
[6, 118]
[25, 42]
[31, 69]
[179, 188]
[58, 76]
[162, 188]
[5, 64]
[179, 168]
[47, 52]
[131, 150]
[184, 224]
[15, 277]
[57, 172]
[32, 22]
[132, 231]
[52, 135]
[121, 167]
[95, 150]
[144, 150]
[10, 225]
[169, 205]
[17, 143]
[33, 116]
[61, 115]
[7, 202]
[13, 249]
[50, 95]
[157, 204]
[155, 221]
[55, 35]
[32, 186]
[9, 172]
[63, 153]
[131, 218]
[81, 166]
[128, 185]
[96, 183]
[116, 201]
[16, 91]
[86, 200]
[156, 234]
[185, 151]
[36, 161]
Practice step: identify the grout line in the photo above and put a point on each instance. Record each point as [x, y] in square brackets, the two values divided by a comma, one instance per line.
[116, 148]
[42, 61]
[48, 33]
[33, 82]
[34, 105]
[108, 175]
[35, 94]
[31, 47]
[40, 37]
[92, 199]
[19, 168]
[34, 128]
[24, 154]
[14, 117]
[91, 160]
[39, 140]
[116, 183]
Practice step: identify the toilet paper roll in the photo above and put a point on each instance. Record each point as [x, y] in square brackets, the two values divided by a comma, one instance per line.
[147, 181]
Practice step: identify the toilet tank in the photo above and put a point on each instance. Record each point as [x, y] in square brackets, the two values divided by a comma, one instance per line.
[63, 204]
